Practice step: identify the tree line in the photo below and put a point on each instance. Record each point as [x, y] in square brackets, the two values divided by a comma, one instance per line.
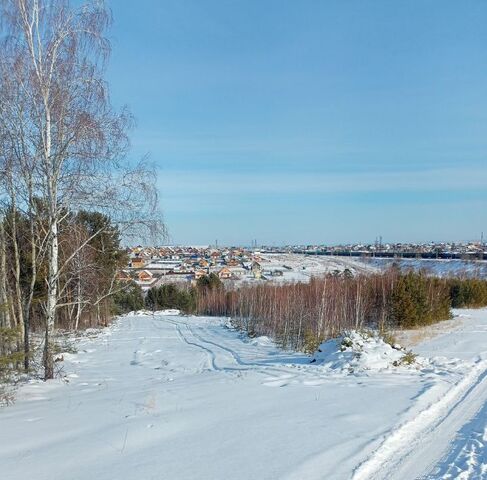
[67, 189]
[301, 315]
[179, 296]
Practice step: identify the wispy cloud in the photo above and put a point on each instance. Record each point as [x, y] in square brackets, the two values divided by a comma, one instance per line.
[200, 183]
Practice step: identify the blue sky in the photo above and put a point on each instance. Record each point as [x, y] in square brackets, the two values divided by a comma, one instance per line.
[309, 121]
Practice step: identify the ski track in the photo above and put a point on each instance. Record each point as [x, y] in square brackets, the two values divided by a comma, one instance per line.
[437, 430]
[401, 455]
[412, 449]
[467, 458]
[235, 363]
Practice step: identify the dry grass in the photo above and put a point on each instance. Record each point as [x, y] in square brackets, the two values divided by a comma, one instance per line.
[414, 336]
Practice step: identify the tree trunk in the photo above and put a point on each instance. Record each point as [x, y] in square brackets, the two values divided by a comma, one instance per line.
[4, 308]
[51, 299]
[18, 289]
[33, 278]
[78, 304]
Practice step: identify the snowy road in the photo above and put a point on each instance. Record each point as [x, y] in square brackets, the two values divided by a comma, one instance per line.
[168, 397]
[447, 438]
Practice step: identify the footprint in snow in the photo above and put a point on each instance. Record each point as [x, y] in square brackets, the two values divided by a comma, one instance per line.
[314, 383]
[279, 383]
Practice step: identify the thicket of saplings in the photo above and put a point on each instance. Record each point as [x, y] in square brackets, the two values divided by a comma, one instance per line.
[301, 315]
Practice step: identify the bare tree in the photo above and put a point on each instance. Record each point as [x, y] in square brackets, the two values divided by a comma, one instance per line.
[67, 140]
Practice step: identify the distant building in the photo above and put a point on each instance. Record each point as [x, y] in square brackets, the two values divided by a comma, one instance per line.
[225, 273]
[256, 270]
[124, 276]
[237, 272]
[145, 276]
[138, 262]
[199, 273]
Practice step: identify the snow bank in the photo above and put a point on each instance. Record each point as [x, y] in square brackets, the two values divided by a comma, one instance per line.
[167, 312]
[357, 351]
[262, 341]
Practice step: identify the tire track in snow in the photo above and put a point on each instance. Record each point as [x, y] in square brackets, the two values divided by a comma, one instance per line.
[236, 357]
[209, 350]
[467, 458]
[241, 365]
[210, 354]
[407, 451]
[255, 366]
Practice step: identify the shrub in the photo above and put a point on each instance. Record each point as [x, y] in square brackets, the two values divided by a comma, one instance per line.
[310, 342]
[171, 296]
[467, 292]
[209, 282]
[389, 337]
[409, 358]
[10, 361]
[129, 299]
[418, 299]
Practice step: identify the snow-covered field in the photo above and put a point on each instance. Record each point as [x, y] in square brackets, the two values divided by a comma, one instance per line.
[300, 268]
[172, 397]
[441, 268]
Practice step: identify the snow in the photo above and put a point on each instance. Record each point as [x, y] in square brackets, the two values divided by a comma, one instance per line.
[358, 352]
[303, 267]
[438, 267]
[160, 313]
[164, 396]
[300, 268]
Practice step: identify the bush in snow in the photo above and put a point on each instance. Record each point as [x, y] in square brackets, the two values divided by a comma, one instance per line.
[363, 350]
[128, 299]
[409, 358]
[419, 300]
[171, 296]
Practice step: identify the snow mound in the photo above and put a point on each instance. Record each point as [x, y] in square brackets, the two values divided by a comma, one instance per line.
[262, 341]
[361, 351]
[166, 312]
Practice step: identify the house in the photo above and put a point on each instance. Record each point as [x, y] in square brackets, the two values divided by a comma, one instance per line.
[145, 276]
[124, 276]
[199, 273]
[256, 270]
[138, 262]
[232, 262]
[237, 272]
[204, 263]
[224, 273]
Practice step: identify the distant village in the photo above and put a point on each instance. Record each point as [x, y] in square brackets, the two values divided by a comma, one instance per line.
[441, 250]
[154, 266]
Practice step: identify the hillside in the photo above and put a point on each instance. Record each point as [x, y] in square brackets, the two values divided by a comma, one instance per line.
[174, 397]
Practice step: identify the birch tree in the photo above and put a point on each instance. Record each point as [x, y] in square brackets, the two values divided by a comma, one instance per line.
[70, 144]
